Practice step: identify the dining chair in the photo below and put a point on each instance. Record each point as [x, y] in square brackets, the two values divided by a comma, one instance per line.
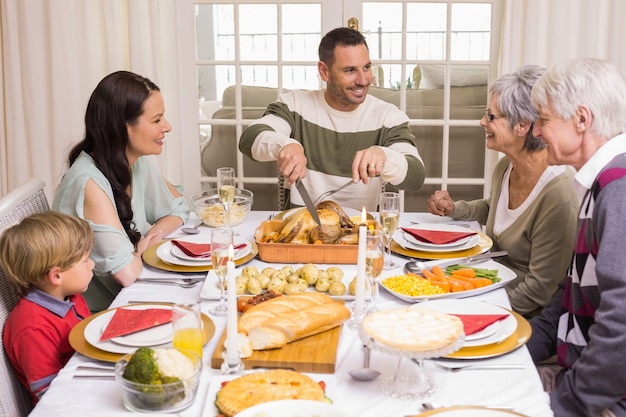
[26, 199]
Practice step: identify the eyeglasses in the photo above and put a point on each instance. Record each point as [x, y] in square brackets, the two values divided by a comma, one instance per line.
[491, 116]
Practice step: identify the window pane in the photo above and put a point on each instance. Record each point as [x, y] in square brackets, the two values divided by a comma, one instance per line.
[467, 152]
[258, 28]
[215, 31]
[471, 25]
[300, 76]
[259, 75]
[382, 26]
[302, 24]
[426, 31]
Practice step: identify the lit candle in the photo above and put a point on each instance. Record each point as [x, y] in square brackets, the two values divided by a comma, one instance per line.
[359, 297]
[232, 338]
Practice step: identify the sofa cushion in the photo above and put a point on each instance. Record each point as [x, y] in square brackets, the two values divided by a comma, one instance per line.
[433, 76]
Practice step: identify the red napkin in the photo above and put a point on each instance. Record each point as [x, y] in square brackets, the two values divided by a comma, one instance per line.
[126, 321]
[473, 323]
[198, 250]
[437, 237]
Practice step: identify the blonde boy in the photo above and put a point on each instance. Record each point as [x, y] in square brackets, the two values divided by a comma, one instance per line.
[46, 258]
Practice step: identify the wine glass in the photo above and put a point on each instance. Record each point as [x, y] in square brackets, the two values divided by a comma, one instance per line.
[226, 190]
[221, 239]
[374, 260]
[389, 212]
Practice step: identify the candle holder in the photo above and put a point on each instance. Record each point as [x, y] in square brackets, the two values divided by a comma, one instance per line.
[356, 318]
[229, 367]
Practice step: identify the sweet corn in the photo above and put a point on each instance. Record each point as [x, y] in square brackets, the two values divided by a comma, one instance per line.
[411, 285]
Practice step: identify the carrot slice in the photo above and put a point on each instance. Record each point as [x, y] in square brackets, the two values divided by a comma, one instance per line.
[438, 272]
[466, 272]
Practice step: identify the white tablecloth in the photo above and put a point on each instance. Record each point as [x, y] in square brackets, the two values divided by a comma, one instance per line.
[519, 388]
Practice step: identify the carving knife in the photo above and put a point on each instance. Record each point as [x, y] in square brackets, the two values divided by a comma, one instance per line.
[308, 201]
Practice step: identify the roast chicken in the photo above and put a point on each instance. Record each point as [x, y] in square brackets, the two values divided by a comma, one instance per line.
[336, 226]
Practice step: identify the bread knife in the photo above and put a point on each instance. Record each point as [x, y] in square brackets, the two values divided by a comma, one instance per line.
[308, 201]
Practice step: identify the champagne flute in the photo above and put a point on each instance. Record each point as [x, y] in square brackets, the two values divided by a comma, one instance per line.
[374, 260]
[226, 190]
[389, 212]
[221, 239]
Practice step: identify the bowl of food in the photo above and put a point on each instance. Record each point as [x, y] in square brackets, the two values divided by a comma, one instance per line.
[210, 209]
[162, 380]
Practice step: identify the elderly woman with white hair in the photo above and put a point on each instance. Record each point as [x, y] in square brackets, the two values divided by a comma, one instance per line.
[531, 212]
[582, 118]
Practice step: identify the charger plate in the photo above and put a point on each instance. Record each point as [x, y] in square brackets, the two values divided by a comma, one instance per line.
[469, 411]
[520, 336]
[81, 345]
[151, 258]
[483, 246]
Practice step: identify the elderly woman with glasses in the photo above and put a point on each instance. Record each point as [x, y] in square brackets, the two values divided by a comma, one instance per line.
[531, 212]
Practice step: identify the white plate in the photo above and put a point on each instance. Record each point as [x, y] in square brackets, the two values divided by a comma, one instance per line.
[178, 253]
[468, 411]
[210, 290]
[331, 392]
[291, 408]
[505, 274]
[409, 242]
[155, 336]
[506, 326]
[164, 251]
[442, 227]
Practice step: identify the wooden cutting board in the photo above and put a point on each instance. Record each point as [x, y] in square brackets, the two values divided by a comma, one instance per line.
[317, 354]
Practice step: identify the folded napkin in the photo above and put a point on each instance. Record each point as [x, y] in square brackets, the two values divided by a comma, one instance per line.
[437, 237]
[127, 321]
[198, 250]
[473, 323]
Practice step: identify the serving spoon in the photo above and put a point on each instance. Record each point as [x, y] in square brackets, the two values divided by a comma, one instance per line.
[192, 230]
[365, 373]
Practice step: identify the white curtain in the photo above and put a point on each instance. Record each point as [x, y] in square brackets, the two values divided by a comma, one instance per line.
[53, 55]
[546, 32]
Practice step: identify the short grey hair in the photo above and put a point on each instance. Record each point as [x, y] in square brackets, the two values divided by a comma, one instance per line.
[591, 82]
[513, 92]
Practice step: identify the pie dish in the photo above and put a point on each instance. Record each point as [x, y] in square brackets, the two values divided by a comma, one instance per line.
[413, 330]
[330, 380]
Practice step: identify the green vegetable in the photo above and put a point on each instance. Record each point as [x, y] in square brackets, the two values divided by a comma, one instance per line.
[142, 368]
[491, 274]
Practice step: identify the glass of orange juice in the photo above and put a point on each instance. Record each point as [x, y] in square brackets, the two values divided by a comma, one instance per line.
[187, 325]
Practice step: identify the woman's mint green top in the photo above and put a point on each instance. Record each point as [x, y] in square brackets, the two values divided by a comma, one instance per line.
[113, 250]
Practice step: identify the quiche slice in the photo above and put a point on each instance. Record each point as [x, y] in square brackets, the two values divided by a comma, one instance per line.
[261, 387]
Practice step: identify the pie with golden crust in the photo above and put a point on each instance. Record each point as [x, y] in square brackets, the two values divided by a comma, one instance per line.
[261, 387]
[413, 329]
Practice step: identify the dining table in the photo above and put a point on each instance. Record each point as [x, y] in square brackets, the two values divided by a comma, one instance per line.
[518, 387]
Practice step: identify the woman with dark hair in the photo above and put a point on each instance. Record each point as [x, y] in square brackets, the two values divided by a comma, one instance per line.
[531, 212]
[126, 201]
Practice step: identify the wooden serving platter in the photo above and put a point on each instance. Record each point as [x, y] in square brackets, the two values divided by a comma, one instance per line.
[316, 354]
